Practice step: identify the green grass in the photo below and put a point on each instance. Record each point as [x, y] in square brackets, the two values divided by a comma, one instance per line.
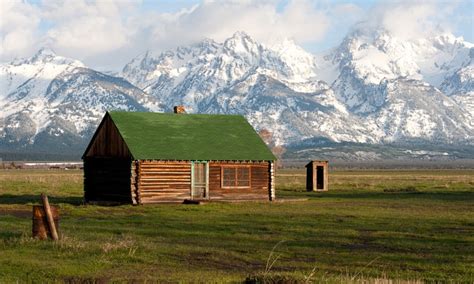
[376, 225]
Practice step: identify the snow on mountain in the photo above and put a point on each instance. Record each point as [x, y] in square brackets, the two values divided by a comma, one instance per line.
[18, 76]
[275, 87]
[377, 55]
[372, 88]
[460, 86]
[220, 64]
[49, 96]
[414, 110]
[406, 90]
[366, 58]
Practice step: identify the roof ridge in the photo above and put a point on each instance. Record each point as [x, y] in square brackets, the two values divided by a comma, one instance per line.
[170, 136]
[172, 113]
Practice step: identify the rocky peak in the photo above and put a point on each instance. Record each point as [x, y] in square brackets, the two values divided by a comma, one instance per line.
[241, 45]
[43, 54]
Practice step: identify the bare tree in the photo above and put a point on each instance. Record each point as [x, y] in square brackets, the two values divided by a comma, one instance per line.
[278, 151]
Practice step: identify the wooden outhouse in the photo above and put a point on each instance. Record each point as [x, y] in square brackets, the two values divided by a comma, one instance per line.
[144, 157]
[317, 176]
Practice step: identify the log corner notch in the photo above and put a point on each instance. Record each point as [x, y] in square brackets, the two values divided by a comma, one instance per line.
[135, 181]
[49, 217]
[271, 186]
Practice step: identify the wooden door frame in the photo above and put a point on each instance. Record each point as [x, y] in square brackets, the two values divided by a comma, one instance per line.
[324, 176]
[207, 178]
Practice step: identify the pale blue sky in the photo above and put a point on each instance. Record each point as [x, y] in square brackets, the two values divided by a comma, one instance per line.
[106, 34]
[462, 19]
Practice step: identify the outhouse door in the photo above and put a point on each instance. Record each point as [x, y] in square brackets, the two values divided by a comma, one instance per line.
[200, 180]
[319, 177]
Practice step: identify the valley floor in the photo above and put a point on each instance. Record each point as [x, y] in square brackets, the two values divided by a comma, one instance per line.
[372, 225]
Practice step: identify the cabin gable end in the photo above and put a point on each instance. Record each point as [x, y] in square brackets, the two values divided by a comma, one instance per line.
[107, 141]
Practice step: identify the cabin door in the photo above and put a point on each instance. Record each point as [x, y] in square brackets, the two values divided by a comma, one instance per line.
[200, 180]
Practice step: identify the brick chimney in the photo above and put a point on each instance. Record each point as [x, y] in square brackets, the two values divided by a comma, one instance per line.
[179, 109]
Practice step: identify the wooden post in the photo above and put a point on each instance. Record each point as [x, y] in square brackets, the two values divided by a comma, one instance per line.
[314, 173]
[40, 228]
[49, 216]
[326, 177]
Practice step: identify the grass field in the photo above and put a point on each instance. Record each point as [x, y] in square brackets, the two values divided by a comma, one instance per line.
[371, 226]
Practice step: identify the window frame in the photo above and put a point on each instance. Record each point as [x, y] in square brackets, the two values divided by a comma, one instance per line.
[236, 168]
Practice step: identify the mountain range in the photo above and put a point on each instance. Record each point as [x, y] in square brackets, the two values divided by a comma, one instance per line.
[372, 90]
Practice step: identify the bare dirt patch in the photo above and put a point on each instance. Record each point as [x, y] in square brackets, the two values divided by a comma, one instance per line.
[19, 213]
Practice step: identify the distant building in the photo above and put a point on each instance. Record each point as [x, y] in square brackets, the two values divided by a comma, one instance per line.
[143, 157]
[317, 176]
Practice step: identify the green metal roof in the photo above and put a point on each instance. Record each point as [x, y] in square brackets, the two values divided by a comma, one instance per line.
[169, 136]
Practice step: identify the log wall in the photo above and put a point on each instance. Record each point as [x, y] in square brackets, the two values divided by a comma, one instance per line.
[107, 180]
[170, 181]
[258, 190]
[162, 181]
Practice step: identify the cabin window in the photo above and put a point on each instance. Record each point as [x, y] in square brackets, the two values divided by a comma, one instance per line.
[235, 176]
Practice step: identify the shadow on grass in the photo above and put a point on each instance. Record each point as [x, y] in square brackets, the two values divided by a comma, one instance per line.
[383, 195]
[29, 198]
[442, 195]
[5, 235]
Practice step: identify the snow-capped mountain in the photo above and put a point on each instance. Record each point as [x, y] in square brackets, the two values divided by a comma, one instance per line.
[51, 100]
[407, 90]
[460, 87]
[275, 88]
[372, 88]
[366, 58]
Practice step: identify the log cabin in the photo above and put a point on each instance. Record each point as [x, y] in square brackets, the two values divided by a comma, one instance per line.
[145, 157]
